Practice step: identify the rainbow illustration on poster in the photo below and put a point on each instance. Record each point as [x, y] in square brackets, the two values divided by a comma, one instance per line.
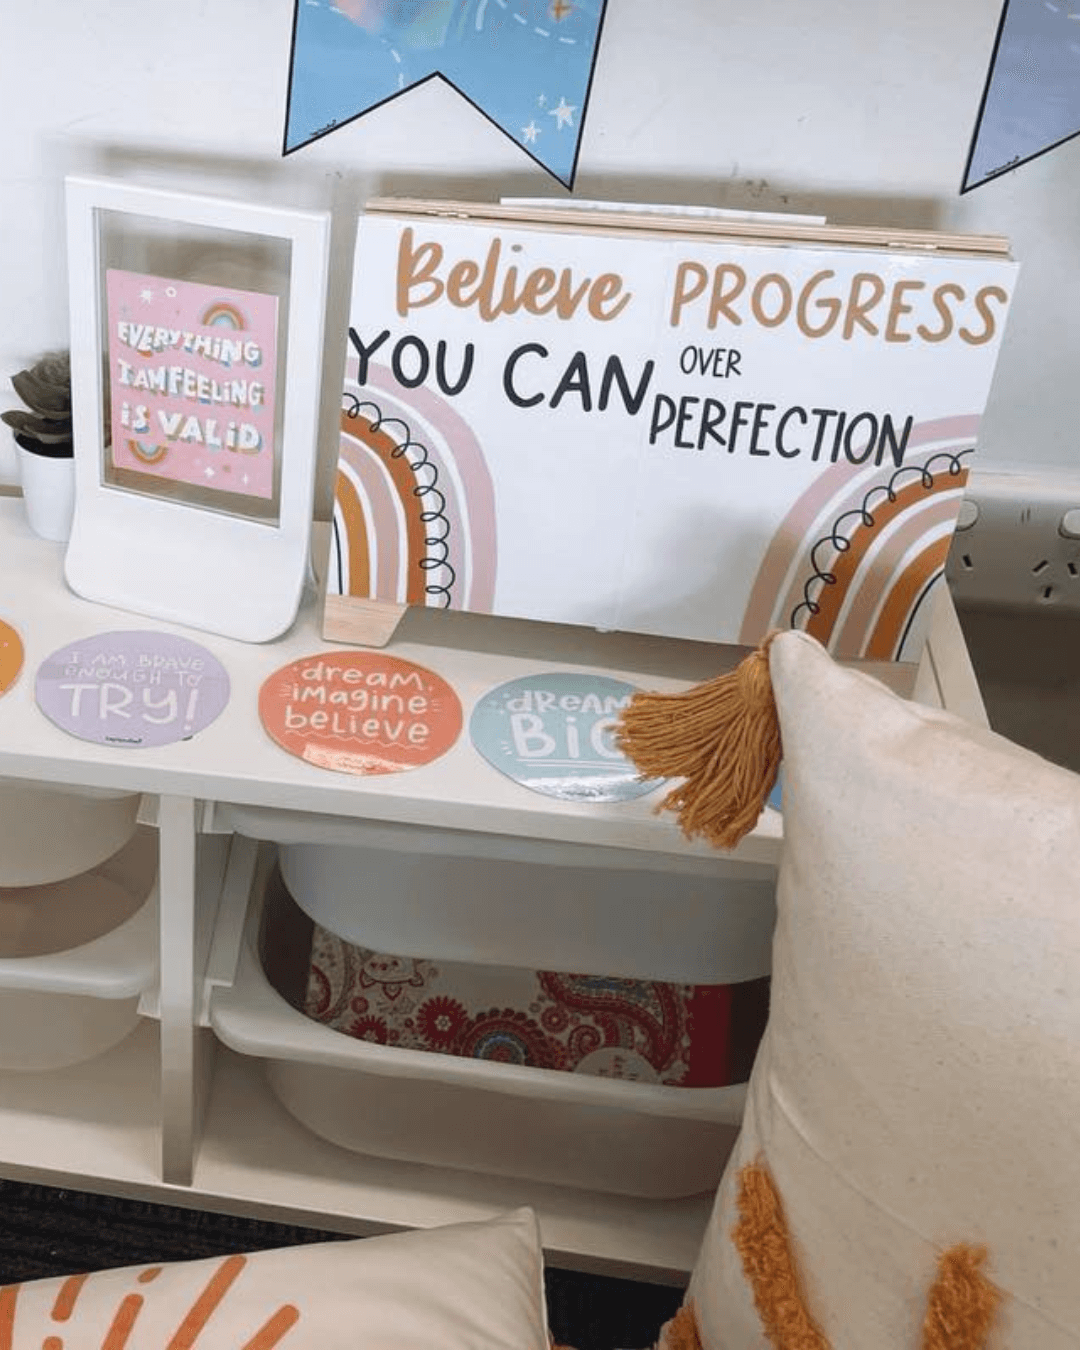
[860, 551]
[223, 315]
[144, 452]
[853, 562]
[414, 504]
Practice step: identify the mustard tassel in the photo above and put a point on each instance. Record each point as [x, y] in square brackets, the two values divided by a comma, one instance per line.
[722, 738]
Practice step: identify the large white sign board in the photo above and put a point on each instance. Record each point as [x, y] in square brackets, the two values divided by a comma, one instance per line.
[686, 431]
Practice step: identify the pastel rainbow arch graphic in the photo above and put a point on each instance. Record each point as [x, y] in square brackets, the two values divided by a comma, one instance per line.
[414, 504]
[223, 315]
[147, 454]
[860, 551]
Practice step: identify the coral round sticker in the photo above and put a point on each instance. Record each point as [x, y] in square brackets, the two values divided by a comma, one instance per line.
[554, 733]
[11, 656]
[136, 689]
[360, 712]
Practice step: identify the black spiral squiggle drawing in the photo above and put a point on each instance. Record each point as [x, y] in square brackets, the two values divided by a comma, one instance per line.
[821, 577]
[427, 491]
[336, 555]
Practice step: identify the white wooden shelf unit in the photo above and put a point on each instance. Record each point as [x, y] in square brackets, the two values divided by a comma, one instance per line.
[172, 1115]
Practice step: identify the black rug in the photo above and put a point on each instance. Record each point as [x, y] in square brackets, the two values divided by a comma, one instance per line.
[47, 1232]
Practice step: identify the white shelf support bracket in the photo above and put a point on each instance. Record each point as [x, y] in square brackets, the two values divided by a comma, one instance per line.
[946, 677]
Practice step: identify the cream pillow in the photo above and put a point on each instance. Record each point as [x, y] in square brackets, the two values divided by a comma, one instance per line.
[918, 1085]
[475, 1286]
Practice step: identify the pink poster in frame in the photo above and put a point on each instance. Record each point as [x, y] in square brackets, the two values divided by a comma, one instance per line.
[192, 381]
[166, 538]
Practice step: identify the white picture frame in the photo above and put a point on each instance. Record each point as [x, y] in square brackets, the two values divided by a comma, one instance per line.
[153, 540]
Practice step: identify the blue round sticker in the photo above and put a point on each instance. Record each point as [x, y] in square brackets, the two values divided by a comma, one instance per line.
[554, 733]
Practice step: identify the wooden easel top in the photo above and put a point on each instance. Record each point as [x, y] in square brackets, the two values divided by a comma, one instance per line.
[650, 224]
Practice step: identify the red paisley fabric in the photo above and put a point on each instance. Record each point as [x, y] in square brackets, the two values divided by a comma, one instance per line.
[645, 1031]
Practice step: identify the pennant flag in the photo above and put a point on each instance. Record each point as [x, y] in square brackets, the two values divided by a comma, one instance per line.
[1031, 102]
[527, 65]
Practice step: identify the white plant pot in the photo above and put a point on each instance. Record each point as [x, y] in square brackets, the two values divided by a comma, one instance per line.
[48, 487]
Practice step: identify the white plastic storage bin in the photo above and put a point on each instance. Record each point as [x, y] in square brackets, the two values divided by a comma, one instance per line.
[75, 958]
[533, 903]
[682, 1035]
[570, 1129]
[605, 1135]
[48, 834]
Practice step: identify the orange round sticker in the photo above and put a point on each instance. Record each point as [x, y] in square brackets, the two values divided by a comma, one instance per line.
[11, 656]
[360, 712]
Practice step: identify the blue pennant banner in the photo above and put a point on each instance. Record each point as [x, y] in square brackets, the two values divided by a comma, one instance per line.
[525, 64]
[1031, 102]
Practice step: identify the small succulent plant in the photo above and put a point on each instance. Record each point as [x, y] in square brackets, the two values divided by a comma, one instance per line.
[44, 425]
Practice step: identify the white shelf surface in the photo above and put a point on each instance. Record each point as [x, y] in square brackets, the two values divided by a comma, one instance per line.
[234, 760]
[255, 1159]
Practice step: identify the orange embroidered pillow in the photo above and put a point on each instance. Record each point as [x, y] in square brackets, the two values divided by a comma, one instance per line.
[918, 1085]
[464, 1287]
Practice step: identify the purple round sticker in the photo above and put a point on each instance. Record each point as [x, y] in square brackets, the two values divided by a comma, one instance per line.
[132, 688]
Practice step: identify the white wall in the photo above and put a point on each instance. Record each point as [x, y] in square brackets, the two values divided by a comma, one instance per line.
[860, 111]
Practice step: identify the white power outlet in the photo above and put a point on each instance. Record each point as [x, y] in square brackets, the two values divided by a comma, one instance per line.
[1017, 544]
